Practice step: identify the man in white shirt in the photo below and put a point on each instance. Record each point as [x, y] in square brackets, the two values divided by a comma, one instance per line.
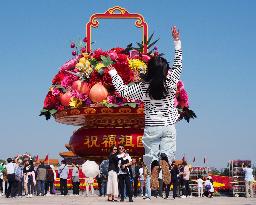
[248, 180]
[12, 186]
[124, 161]
[63, 173]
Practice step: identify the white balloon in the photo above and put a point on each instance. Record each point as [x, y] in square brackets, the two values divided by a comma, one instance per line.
[90, 169]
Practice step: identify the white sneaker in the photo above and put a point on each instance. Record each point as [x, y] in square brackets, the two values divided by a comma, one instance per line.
[147, 199]
[27, 196]
[190, 196]
[183, 197]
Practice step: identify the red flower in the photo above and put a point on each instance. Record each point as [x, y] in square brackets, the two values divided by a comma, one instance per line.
[98, 53]
[118, 50]
[124, 71]
[122, 58]
[50, 101]
[95, 77]
[58, 78]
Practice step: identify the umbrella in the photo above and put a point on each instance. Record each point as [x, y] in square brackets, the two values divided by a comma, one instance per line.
[90, 168]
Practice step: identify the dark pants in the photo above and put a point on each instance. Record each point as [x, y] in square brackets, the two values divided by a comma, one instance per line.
[48, 184]
[160, 191]
[40, 187]
[76, 188]
[167, 190]
[103, 188]
[175, 186]
[187, 188]
[135, 186]
[12, 186]
[124, 180]
[1, 185]
[31, 187]
[63, 186]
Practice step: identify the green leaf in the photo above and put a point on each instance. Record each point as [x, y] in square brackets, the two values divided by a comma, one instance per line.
[106, 61]
[93, 62]
[150, 38]
[133, 105]
[150, 45]
[44, 110]
[53, 111]
[140, 45]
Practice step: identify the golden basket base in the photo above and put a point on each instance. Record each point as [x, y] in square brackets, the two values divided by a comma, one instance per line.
[102, 117]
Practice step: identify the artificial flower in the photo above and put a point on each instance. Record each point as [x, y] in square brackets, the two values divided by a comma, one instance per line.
[55, 91]
[99, 66]
[75, 103]
[137, 65]
[69, 64]
[50, 101]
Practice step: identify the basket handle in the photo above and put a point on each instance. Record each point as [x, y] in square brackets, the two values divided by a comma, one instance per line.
[116, 12]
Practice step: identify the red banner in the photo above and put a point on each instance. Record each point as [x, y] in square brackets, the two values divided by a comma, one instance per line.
[97, 141]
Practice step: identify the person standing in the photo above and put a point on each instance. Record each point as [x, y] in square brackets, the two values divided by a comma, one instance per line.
[200, 186]
[248, 180]
[12, 185]
[49, 180]
[165, 167]
[124, 161]
[186, 177]
[19, 177]
[2, 187]
[157, 90]
[142, 180]
[134, 173]
[147, 179]
[103, 176]
[112, 185]
[29, 178]
[63, 173]
[40, 179]
[75, 179]
[174, 178]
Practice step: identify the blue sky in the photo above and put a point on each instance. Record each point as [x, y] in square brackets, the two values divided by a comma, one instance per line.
[219, 69]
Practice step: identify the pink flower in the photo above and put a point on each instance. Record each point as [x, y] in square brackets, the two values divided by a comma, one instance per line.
[183, 95]
[69, 64]
[68, 80]
[78, 95]
[111, 99]
[134, 54]
[55, 92]
[145, 58]
[112, 55]
[180, 85]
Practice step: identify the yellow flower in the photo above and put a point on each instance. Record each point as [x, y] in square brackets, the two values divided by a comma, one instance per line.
[75, 103]
[82, 60]
[99, 66]
[86, 55]
[138, 65]
[80, 66]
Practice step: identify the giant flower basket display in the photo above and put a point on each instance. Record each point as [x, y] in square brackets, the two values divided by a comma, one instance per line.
[82, 93]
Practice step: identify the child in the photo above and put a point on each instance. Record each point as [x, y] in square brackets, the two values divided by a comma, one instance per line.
[157, 91]
[208, 187]
[200, 186]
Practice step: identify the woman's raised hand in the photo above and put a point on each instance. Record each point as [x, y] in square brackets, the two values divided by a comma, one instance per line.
[175, 33]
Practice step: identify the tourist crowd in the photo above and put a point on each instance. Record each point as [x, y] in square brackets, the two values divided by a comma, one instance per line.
[120, 177]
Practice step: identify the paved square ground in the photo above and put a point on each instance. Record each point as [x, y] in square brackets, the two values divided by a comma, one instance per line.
[82, 200]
